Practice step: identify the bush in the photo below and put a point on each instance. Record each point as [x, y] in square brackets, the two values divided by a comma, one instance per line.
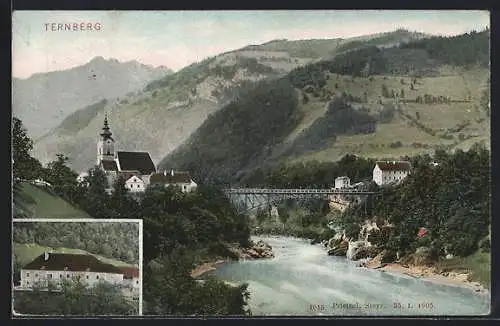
[486, 245]
[396, 144]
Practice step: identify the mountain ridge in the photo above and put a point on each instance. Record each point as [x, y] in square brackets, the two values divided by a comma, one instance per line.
[43, 100]
[168, 110]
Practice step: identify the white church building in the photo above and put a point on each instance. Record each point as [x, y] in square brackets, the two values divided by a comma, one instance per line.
[390, 172]
[53, 268]
[137, 168]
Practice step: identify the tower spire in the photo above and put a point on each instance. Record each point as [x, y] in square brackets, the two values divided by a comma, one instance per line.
[106, 133]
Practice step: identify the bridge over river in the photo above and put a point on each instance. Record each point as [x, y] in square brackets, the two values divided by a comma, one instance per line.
[247, 199]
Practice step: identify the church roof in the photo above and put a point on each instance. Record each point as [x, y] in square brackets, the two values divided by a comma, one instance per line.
[136, 161]
[168, 178]
[109, 165]
[71, 262]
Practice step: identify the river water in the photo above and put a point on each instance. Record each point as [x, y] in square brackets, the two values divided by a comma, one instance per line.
[303, 280]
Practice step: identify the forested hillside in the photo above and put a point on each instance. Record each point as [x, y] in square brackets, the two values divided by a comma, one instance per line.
[112, 240]
[371, 101]
[448, 194]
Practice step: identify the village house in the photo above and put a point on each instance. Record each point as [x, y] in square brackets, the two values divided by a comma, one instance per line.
[342, 182]
[389, 172]
[53, 268]
[136, 168]
[179, 179]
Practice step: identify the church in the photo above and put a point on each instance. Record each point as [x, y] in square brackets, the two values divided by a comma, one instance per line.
[137, 168]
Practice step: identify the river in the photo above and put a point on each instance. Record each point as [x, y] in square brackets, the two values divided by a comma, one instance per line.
[302, 275]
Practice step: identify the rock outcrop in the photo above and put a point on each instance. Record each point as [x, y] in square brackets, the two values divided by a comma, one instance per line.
[257, 250]
[365, 252]
[339, 249]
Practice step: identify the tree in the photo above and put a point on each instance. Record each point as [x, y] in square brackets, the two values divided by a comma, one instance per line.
[96, 201]
[385, 91]
[62, 178]
[283, 214]
[23, 165]
[121, 203]
[261, 216]
[169, 289]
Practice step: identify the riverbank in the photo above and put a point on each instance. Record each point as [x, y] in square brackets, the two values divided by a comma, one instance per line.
[257, 250]
[430, 273]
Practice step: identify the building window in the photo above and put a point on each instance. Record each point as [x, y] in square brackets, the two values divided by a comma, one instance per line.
[36, 275]
[136, 282]
[27, 274]
[97, 277]
[27, 282]
[67, 275]
[60, 275]
[87, 277]
[137, 186]
[50, 275]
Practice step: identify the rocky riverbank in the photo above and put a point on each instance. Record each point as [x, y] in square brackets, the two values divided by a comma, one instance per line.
[256, 250]
[431, 274]
[417, 265]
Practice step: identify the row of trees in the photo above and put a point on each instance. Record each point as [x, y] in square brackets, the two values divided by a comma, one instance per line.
[311, 174]
[113, 240]
[75, 298]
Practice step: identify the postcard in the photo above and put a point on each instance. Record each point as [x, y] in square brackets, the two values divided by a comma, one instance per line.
[282, 163]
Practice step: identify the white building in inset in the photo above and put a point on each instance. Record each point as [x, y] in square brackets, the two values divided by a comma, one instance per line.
[387, 172]
[53, 268]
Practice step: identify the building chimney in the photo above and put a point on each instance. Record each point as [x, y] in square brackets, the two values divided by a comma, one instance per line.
[172, 172]
[46, 255]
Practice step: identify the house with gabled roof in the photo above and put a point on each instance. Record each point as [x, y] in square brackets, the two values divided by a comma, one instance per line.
[181, 180]
[54, 268]
[390, 172]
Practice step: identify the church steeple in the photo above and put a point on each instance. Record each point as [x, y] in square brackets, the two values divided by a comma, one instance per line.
[106, 133]
[106, 145]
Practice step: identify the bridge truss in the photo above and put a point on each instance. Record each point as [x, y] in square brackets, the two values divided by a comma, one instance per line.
[247, 199]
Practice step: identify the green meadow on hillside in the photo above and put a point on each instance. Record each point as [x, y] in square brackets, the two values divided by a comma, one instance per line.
[40, 203]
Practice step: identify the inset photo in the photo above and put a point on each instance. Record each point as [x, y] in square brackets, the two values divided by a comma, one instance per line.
[75, 267]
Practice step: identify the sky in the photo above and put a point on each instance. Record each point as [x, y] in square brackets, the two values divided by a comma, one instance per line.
[178, 38]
